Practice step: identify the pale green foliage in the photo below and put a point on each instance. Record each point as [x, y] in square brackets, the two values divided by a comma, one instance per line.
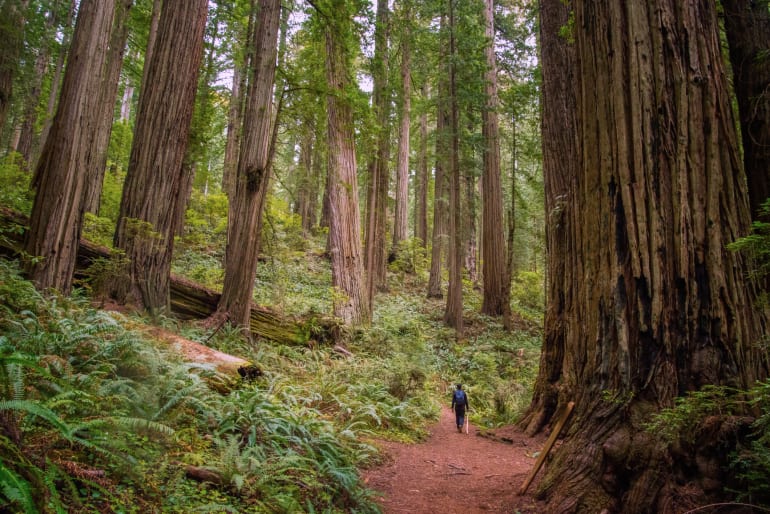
[14, 184]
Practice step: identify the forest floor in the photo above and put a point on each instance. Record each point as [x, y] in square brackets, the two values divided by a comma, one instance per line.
[453, 472]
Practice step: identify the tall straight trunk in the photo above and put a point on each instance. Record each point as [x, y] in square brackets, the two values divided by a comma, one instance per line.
[253, 177]
[156, 177]
[453, 314]
[377, 206]
[125, 104]
[421, 189]
[440, 183]
[401, 221]
[57, 213]
[510, 261]
[747, 23]
[306, 189]
[13, 14]
[469, 188]
[236, 107]
[29, 118]
[659, 306]
[234, 124]
[53, 94]
[559, 129]
[152, 37]
[105, 116]
[496, 301]
[351, 303]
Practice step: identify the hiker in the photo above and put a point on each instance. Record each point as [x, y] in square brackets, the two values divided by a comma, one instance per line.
[459, 404]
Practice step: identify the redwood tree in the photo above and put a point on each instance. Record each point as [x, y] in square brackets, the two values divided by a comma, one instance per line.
[155, 179]
[60, 177]
[253, 176]
[496, 300]
[747, 23]
[656, 306]
[453, 313]
[379, 176]
[351, 303]
[400, 222]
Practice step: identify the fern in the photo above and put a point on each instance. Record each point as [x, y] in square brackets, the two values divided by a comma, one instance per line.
[36, 410]
[16, 490]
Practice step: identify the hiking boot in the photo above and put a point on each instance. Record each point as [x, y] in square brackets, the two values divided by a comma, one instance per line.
[459, 429]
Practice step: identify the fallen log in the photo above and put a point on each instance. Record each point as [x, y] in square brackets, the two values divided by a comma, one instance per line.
[189, 300]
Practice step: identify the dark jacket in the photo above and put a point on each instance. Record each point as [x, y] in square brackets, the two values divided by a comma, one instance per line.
[460, 406]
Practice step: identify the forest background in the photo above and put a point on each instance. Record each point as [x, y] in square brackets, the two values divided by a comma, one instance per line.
[377, 174]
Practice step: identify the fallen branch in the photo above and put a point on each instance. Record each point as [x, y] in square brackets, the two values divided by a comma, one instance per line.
[548, 445]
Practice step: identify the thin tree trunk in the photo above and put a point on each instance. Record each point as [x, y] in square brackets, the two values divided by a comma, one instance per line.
[125, 104]
[29, 120]
[470, 252]
[496, 300]
[105, 116]
[57, 213]
[453, 314]
[657, 306]
[350, 303]
[747, 23]
[253, 178]
[13, 13]
[53, 94]
[156, 176]
[401, 222]
[376, 245]
[421, 191]
[234, 124]
[440, 183]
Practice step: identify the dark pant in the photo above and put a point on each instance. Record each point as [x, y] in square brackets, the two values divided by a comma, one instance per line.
[460, 415]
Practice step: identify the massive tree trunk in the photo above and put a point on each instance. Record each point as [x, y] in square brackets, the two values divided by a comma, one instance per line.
[496, 301]
[60, 177]
[253, 177]
[377, 203]
[559, 139]
[400, 223]
[453, 314]
[747, 23]
[105, 116]
[350, 302]
[655, 306]
[155, 178]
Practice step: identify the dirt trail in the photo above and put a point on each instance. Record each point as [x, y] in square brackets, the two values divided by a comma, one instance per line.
[457, 473]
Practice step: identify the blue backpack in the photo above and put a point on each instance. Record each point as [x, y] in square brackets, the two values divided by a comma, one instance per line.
[459, 398]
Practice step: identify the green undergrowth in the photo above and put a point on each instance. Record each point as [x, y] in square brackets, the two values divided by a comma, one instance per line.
[95, 416]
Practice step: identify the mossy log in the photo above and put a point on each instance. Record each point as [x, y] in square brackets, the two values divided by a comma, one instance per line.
[189, 300]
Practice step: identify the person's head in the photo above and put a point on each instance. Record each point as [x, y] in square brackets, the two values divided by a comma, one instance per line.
[459, 386]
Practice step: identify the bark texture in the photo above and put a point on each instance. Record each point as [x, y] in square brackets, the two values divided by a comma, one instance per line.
[658, 306]
[747, 23]
[11, 40]
[421, 180]
[253, 177]
[453, 313]
[156, 176]
[439, 236]
[561, 154]
[379, 176]
[496, 301]
[109, 94]
[351, 303]
[400, 222]
[60, 176]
